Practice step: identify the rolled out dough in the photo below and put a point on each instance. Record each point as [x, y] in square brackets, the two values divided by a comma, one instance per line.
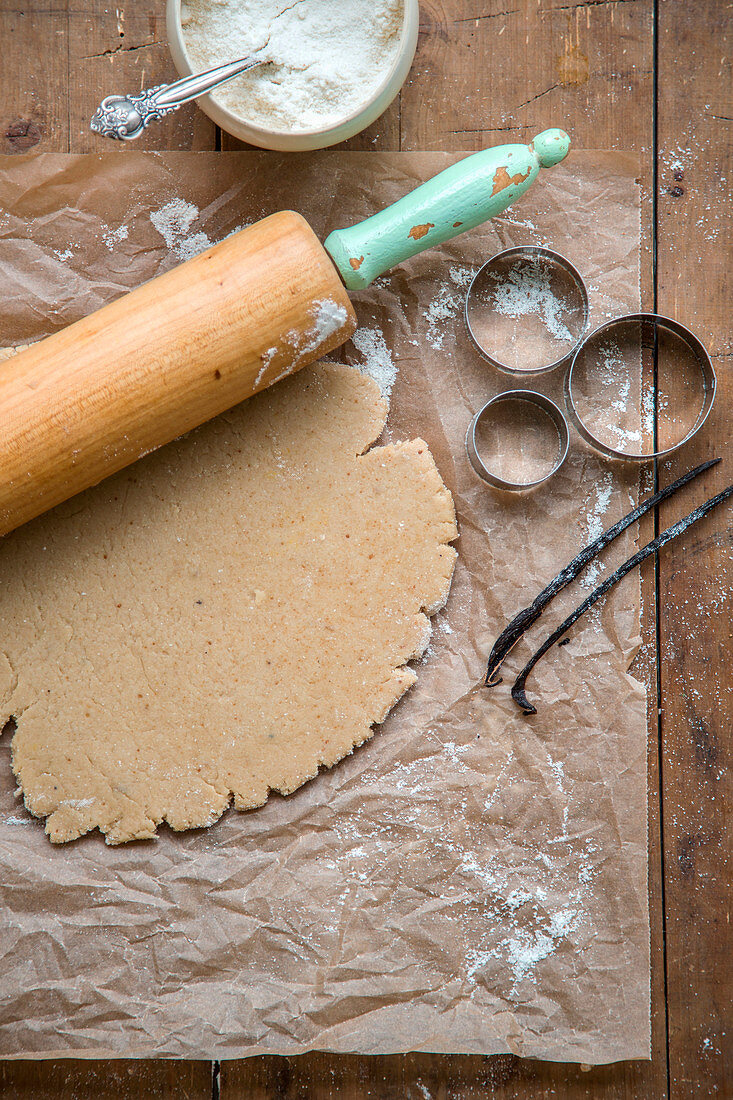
[224, 617]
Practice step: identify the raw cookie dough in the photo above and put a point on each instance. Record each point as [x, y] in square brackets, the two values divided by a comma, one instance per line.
[223, 617]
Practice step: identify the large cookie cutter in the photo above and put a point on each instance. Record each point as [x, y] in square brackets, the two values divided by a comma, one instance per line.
[652, 322]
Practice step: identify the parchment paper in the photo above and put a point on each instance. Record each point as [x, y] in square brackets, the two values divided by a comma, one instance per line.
[470, 880]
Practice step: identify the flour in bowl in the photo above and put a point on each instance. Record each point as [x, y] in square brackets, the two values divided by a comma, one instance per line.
[328, 57]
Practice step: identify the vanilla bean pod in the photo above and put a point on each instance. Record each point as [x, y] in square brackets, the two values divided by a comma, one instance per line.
[514, 630]
[518, 692]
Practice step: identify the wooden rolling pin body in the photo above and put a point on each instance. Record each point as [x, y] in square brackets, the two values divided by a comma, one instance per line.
[89, 400]
[143, 370]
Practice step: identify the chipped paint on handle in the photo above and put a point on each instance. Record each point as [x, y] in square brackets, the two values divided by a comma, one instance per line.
[460, 198]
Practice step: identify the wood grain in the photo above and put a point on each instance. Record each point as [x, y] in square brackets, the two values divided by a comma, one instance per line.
[695, 258]
[113, 1080]
[484, 73]
[34, 111]
[501, 71]
[428, 1077]
[119, 48]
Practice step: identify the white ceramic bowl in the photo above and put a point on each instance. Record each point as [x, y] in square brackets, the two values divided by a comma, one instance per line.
[296, 141]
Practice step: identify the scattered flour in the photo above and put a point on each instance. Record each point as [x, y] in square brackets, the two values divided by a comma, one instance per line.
[647, 410]
[603, 496]
[524, 947]
[443, 307]
[512, 909]
[621, 401]
[461, 276]
[378, 363]
[191, 246]
[517, 898]
[327, 318]
[497, 789]
[327, 59]
[595, 526]
[558, 770]
[528, 290]
[477, 960]
[173, 222]
[511, 219]
[111, 237]
[455, 752]
[526, 950]
[529, 948]
[616, 378]
[446, 304]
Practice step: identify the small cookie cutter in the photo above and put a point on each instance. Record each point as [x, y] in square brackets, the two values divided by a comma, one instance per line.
[494, 267]
[707, 374]
[549, 408]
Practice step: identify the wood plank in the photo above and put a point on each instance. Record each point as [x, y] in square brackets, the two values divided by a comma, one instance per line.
[61, 57]
[105, 1080]
[429, 1077]
[695, 257]
[500, 71]
[33, 95]
[119, 48]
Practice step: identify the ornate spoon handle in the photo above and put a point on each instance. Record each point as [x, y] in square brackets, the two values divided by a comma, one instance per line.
[125, 117]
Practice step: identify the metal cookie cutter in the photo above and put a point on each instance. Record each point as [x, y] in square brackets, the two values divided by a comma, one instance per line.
[522, 281]
[512, 399]
[664, 349]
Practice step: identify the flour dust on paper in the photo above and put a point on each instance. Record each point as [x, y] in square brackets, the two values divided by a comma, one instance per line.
[226, 616]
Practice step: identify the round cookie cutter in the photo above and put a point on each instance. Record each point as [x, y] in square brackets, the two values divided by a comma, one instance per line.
[495, 270]
[514, 398]
[615, 326]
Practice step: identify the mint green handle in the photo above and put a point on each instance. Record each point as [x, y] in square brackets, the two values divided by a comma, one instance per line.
[460, 198]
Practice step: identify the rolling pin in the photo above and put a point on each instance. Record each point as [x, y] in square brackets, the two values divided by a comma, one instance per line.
[91, 399]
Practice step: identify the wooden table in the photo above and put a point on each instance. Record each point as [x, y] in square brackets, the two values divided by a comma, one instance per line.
[649, 75]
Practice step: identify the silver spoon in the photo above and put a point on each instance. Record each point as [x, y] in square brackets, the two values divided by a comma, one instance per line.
[125, 117]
